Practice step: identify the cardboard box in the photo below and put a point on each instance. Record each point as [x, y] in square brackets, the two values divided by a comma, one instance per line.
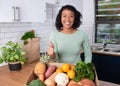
[32, 75]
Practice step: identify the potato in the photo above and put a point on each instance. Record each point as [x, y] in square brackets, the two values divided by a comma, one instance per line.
[83, 82]
[73, 83]
[87, 82]
[51, 80]
[51, 69]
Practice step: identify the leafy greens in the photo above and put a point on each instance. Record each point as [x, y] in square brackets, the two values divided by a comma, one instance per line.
[84, 70]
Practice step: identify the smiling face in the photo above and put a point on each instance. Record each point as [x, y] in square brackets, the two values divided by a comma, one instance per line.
[67, 19]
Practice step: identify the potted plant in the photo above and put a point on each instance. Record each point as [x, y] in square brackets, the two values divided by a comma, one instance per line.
[13, 54]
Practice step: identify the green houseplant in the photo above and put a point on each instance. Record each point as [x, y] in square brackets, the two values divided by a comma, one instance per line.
[13, 53]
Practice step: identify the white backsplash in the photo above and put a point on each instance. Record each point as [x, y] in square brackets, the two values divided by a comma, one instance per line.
[14, 31]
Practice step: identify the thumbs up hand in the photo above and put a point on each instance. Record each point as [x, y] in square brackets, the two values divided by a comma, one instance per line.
[50, 50]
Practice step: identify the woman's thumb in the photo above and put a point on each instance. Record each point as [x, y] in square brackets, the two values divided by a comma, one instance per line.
[51, 44]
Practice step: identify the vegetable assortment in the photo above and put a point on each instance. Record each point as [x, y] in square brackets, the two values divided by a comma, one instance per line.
[84, 74]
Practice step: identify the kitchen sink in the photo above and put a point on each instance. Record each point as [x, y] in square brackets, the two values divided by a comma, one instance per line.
[106, 50]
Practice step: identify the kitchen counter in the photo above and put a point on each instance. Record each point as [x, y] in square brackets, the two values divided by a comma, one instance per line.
[103, 52]
[18, 78]
[104, 83]
[106, 53]
[15, 78]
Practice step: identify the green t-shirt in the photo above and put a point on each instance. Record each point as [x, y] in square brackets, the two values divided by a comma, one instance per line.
[67, 47]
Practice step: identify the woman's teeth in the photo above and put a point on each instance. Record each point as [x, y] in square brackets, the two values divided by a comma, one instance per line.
[67, 23]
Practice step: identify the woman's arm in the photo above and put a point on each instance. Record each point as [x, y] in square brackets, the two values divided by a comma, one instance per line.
[87, 49]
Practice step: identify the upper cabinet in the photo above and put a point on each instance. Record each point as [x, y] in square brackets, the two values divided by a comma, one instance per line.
[31, 10]
[22, 11]
[6, 10]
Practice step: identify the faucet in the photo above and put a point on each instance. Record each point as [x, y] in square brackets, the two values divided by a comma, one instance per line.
[105, 42]
[104, 45]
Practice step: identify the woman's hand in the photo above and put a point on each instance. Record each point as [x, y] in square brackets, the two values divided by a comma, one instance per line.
[51, 50]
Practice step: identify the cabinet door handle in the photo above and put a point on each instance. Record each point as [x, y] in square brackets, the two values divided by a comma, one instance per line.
[17, 13]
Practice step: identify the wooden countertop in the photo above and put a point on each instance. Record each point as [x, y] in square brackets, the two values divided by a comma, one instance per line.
[15, 78]
[18, 78]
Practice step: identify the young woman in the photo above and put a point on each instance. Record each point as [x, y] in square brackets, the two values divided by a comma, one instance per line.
[67, 42]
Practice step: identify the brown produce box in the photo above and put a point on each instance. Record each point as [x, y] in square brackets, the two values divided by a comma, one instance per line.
[32, 75]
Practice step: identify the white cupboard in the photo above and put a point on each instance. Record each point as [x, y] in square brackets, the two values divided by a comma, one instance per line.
[6, 11]
[33, 10]
[29, 10]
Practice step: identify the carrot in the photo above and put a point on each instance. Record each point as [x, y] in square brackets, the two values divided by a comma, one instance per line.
[39, 70]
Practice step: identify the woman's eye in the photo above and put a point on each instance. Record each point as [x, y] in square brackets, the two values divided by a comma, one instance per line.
[71, 16]
[64, 16]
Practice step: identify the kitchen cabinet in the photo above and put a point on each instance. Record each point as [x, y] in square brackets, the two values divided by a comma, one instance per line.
[6, 11]
[29, 10]
[32, 10]
[107, 67]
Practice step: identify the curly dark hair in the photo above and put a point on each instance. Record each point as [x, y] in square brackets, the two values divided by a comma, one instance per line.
[77, 15]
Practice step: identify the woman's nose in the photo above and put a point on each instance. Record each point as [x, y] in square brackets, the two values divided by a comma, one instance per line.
[67, 18]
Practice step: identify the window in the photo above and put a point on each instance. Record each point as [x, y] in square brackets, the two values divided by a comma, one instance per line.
[107, 21]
